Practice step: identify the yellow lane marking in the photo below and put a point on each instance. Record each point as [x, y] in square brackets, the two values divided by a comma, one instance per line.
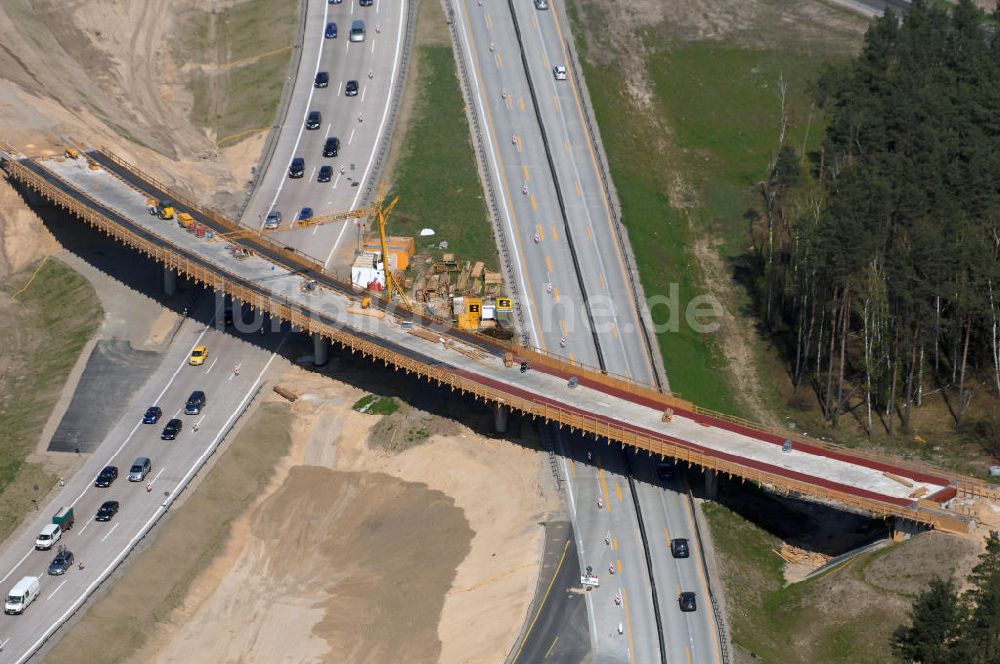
[541, 233]
[499, 61]
[520, 143]
[579, 192]
[603, 282]
[544, 599]
[489, 21]
[503, 175]
[701, 575]
[666, 533]
[565, 333]
[526, 177]
[590, 233]
[555, 291]
[534, 22]
[565, 145]
[571, 358]
[614, 330]
[534, 202]
[687, 651]
[522, 104]
[545, 59]
[604, 484]
[572, 466]
[549, 261]
[619, 490]
[614, 543]
[619, 565]
[628, 624]
[556, 640]
[555, 102]
[555, 234]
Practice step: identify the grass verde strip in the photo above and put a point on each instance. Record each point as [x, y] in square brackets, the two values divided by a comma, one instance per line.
[436, 177]
[44, 330]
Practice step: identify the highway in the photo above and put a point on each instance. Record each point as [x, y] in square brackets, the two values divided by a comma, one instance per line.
[557, 217]
[101, 546]
[361, 122]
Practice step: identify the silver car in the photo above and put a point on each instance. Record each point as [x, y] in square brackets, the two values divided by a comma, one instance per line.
[357, 31]
[273, 219]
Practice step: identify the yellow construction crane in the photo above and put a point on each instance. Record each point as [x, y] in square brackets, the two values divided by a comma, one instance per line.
[382, 217]
[367, 211]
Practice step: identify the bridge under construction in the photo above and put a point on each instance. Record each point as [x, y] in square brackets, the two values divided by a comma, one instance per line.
[111, 195]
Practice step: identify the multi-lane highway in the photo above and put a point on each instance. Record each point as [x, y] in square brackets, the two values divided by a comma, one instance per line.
[571, 274]
[361, 122]
[100, 546]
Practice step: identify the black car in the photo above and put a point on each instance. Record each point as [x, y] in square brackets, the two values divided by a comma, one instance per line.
[325, 173]
[332, 147]
[106, 477]
[687, 602]
[195, 403]
[227, 316]
[107, 510]
[314, 120]
[351, 89]
[152, 415]
[679, 548]
[322, 79]
[297, 168]
[331, 30]
[62, 562]
[665, 469]
[172, 430]
[365, 3]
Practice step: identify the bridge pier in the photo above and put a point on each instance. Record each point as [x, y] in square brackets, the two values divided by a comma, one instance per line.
[501, 416]
[169, 281]
[321, 350]
[904, 529]
[711, 484]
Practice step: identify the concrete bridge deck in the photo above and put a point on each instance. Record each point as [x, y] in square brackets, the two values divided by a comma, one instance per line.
[112, 196]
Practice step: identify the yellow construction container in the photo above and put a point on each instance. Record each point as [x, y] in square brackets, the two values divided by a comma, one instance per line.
[72, 153]
[184, 219]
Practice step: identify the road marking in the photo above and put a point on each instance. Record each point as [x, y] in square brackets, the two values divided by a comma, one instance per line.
[628, 624]
[548, 261]
[566, 145]
[90, 521]
[666, 533]
[555, 234]
[614, 543]
[519, 143]
[534, 22]
[373, 46]
[545, 59]
[526, 176]
[339, 86]
[157, 476]
[619, 566]
[351, 137]
[534, 202]
[3, 643]
[604, 485]
[57, 588]
[618, 489]
[677, 589]
[522, 104]
[339, 175]
[329, 126]
[499, 61]
[542, 603]
[579, 192]
[211, 366]
[177, 414]
[364, 90]
[565, 333]
[614, 329]
[687, 651]
[541, 233]
[18, 564]
[554, 642]
[555, 102]
[555, 291]
[571, 358]
[603, 282]
[701, 575]
[489, 22]
[590, 233]
[108, 534]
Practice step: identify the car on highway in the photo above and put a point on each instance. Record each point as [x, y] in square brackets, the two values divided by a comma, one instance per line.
[334, 2]
[687, 602]
[314, 120]
[62, 562]
[332, 147]
[227, 315]
[172, 430]
[331, 30]
[194, 403]
[541, 4]
[358, 31]
[198, 356]
[106, 477]
[322, 79]
[305, 214]
[140, 468]
[297, 168]
[107, 510]
[152, 415]
[273, 219]
[365, 3]
[559, 71]
[679, 548]
[351, 89]
[325, 174]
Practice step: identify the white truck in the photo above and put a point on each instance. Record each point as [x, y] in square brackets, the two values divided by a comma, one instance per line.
[48, 537]
[21, 595]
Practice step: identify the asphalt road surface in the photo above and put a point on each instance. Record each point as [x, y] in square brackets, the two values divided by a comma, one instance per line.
[540, 228]
[359, 122]
[100, 546]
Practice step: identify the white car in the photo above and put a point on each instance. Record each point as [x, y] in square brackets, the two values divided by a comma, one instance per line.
[559, 72]
[541, 4]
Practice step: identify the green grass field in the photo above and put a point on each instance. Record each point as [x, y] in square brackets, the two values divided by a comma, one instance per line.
[436, 177]
[45, 330]
[376, 405]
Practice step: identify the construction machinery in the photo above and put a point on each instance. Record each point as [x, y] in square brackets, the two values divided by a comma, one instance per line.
[358, 213]
[163, 209]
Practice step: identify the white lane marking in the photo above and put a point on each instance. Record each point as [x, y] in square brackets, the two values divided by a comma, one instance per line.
[363, 91]
[178, 413]
[211, 366]
[579, 544]
[329, 126]
[3, 643]
[312, 174]
[352, 8]
[339, 86]
[351, 137]
[57, 588]
[157, 476]
[90, 521]
[347, 43]
[377, 3]
[496, 169]
[335, 183]
[145, 528]
[124, 442]
[378, 134]
[302, 125]
[373, 46]
[113, 528]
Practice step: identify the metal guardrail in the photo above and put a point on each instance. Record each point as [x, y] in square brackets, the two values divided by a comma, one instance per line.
[720, 620]
[479, 144]
[140, 538]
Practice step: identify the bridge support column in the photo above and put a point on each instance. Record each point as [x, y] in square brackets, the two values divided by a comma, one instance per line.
[321, 350]
[711, 484]
[904, 529]
[501, 415]
[169, 281]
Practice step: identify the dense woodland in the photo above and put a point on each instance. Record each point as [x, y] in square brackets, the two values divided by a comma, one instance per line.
[951, 628]
[876, 263]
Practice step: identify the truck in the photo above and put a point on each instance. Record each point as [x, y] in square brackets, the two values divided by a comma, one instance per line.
[21, 595]
[185, 220]
[61, 522]
[163, 209]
